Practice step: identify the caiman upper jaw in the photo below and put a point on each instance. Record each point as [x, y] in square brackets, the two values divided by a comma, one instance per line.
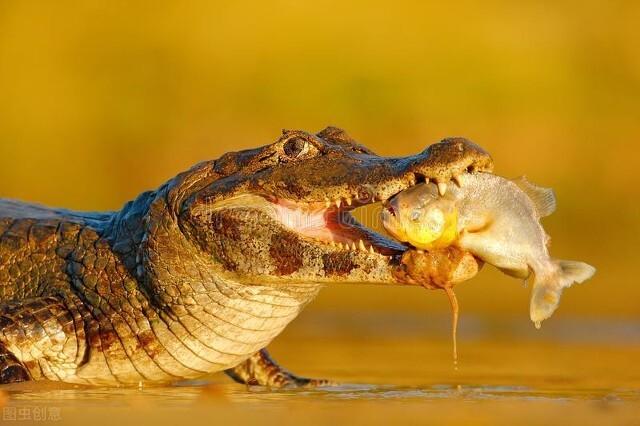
[442, 163]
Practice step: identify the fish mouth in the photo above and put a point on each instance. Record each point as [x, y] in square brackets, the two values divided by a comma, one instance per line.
[331, 224]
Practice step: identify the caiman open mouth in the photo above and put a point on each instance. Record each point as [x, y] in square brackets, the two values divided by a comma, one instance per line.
[330, 222]
[334, 226]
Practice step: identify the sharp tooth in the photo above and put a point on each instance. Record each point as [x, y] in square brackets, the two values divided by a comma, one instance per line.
[348, 200]
[442, 188]
[328, 203]
[353, 246]
[371, 250]
[458, 180]
[332, 243]
[338, 202]
[340, 246]
[361, 245]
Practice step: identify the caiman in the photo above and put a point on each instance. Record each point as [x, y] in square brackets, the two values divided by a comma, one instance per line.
[201, 274]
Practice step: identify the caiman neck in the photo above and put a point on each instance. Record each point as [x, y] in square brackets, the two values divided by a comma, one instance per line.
[231, 320]
[126, 229]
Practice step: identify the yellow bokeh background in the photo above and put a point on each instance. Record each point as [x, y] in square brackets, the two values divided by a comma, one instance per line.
[102, 100]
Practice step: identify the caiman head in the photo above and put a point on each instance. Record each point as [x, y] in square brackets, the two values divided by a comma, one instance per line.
[281, 213]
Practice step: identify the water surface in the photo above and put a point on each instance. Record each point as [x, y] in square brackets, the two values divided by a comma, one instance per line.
[390, 368]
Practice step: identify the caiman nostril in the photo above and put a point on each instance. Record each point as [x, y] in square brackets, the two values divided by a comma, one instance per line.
[420, 178]
[364, 196]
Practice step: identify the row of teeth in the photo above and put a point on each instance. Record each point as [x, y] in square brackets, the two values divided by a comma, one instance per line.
[442, 186]
[442, 190]
[338, 203]
[360, 246]
[353, 246]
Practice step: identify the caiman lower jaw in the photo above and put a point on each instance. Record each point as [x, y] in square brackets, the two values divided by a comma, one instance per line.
[330, 222]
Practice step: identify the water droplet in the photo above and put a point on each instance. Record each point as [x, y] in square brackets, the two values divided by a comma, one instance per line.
[454, 323]
[538, 325]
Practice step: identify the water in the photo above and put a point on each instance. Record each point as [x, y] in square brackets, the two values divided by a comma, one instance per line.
[391, 369]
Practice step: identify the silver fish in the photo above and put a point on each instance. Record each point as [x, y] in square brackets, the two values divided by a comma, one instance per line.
[497, 220]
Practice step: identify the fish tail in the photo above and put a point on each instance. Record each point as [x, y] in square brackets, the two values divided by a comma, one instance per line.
[548, 286]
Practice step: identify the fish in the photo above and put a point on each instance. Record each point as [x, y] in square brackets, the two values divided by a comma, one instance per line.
[498, 221]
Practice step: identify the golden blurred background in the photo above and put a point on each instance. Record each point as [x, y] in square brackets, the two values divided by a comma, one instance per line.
[102, 100]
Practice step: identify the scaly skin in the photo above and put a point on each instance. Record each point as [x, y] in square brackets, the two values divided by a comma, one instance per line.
[201, 274]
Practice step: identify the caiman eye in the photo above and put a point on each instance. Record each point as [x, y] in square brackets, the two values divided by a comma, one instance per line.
[296, 147]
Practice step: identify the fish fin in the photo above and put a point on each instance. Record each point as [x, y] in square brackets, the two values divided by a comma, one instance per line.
[543, 198]
[548, 287]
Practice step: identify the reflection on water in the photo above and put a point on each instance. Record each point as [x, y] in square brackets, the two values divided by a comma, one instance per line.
[225, 403]
[198, 392]
[508, 373]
